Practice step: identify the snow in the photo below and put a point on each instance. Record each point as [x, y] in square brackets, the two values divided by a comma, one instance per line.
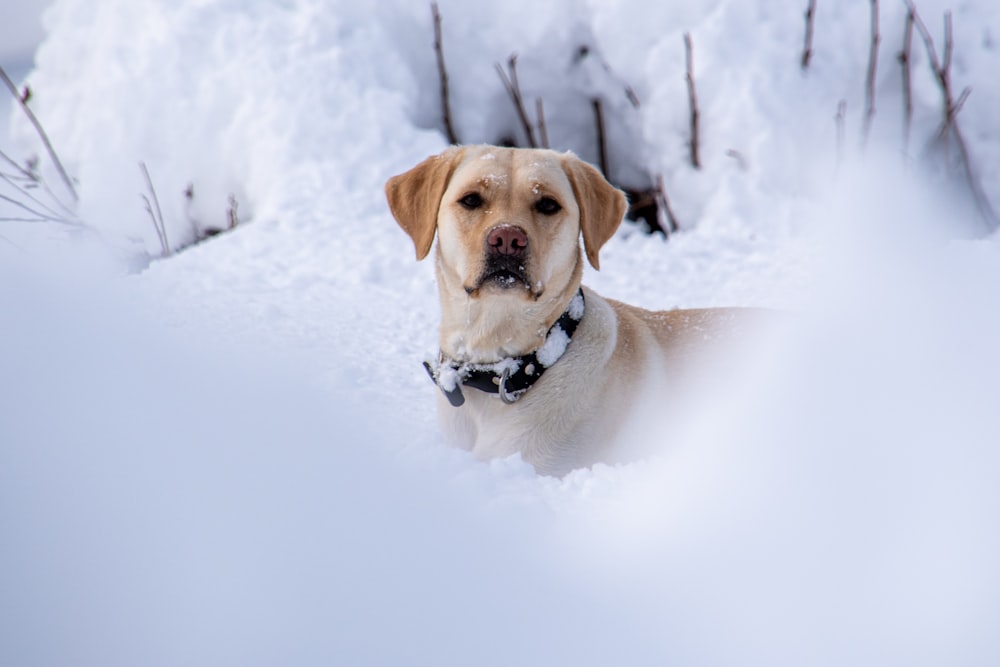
[554, 346]
[231, 456]
[576, 306]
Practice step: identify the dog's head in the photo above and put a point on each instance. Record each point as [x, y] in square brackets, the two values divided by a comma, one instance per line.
[508, 220]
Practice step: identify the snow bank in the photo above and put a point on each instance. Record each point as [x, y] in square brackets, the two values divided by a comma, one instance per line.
[269, 103]
[231, 458]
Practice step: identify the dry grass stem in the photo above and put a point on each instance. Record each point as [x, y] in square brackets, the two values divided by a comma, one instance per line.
[693, 102]
[543, 132]
[870, 78]
[23, 103]
[807, 48]
[449, 128]
[514, 91]
[905, 58]
[155, 215]
[664, 206]
[602, 140]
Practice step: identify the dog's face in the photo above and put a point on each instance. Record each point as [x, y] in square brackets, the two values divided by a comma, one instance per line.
[508, 220]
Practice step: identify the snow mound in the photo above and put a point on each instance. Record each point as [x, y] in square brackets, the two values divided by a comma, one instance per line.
[232, 457]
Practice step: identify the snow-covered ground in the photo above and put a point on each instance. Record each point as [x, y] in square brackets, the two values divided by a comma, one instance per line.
[229, 456]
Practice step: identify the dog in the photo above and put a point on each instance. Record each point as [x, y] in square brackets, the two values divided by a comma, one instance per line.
[531, 362]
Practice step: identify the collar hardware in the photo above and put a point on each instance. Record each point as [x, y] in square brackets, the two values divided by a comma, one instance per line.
[510, 377]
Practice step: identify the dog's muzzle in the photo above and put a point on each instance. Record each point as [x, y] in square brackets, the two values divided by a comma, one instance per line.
[505, 259]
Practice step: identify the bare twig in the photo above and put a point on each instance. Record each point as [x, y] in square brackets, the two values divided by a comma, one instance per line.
[39, 215]
[157, 216]
[449, 129]
[949, 122]
[960, 102]
[602, 142]
[870, 79]
[631, 95]
[949, 44]
[24, 192]
[807, 49]
[17, 167]
[22, 102]
[978, 195]
[839, 120]
[905, 58]
[664, 205]
[232, 219]
[693, 102]
[36, 180]
[543, 132]
[514, 90]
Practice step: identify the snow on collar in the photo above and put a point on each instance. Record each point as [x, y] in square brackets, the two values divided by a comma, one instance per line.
[511, 377]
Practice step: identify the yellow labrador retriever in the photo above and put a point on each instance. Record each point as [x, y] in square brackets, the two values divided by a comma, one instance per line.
[530, 361]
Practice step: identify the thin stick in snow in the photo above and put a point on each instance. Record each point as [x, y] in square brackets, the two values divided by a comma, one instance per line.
[949, 124]
[30, 180]
[47, 211]
[543, 133]
[449, 129]
[157, 216]
[22, 102]
[905, 58]
[232, 219]
[870, 79]
[39, 216]
[514, 91]
[602, 143]
[807, 49]
[664, 205]
[693, 102]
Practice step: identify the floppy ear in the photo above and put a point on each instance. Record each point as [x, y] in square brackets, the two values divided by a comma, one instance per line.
[601, 204]
[415, 197]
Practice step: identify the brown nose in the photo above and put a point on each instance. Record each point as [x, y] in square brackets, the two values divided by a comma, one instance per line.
[507, 240]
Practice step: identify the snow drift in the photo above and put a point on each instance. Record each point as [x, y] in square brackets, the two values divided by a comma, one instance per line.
[230, 458]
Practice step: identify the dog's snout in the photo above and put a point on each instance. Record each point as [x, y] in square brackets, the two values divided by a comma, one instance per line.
[507, 240]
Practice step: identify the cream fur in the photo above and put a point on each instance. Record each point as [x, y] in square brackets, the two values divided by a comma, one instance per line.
[570, 417]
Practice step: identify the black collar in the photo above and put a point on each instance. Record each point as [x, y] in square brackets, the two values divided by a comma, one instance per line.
[510, 377]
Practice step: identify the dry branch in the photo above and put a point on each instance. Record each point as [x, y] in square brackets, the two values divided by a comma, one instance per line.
[39, 216]
[905, 58]
[664, 205]
[807, 49]
[232, 219]
[449, 129]
[693, 102]
[22, 102]
[157, 215]
[46, 211]
[949, 123]
[23, 180]
[543, 132]
[514, 91]
[602, 142]
[870, 79]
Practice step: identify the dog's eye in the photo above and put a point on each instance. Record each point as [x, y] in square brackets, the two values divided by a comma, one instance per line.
[471, 201]
[547, 206]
